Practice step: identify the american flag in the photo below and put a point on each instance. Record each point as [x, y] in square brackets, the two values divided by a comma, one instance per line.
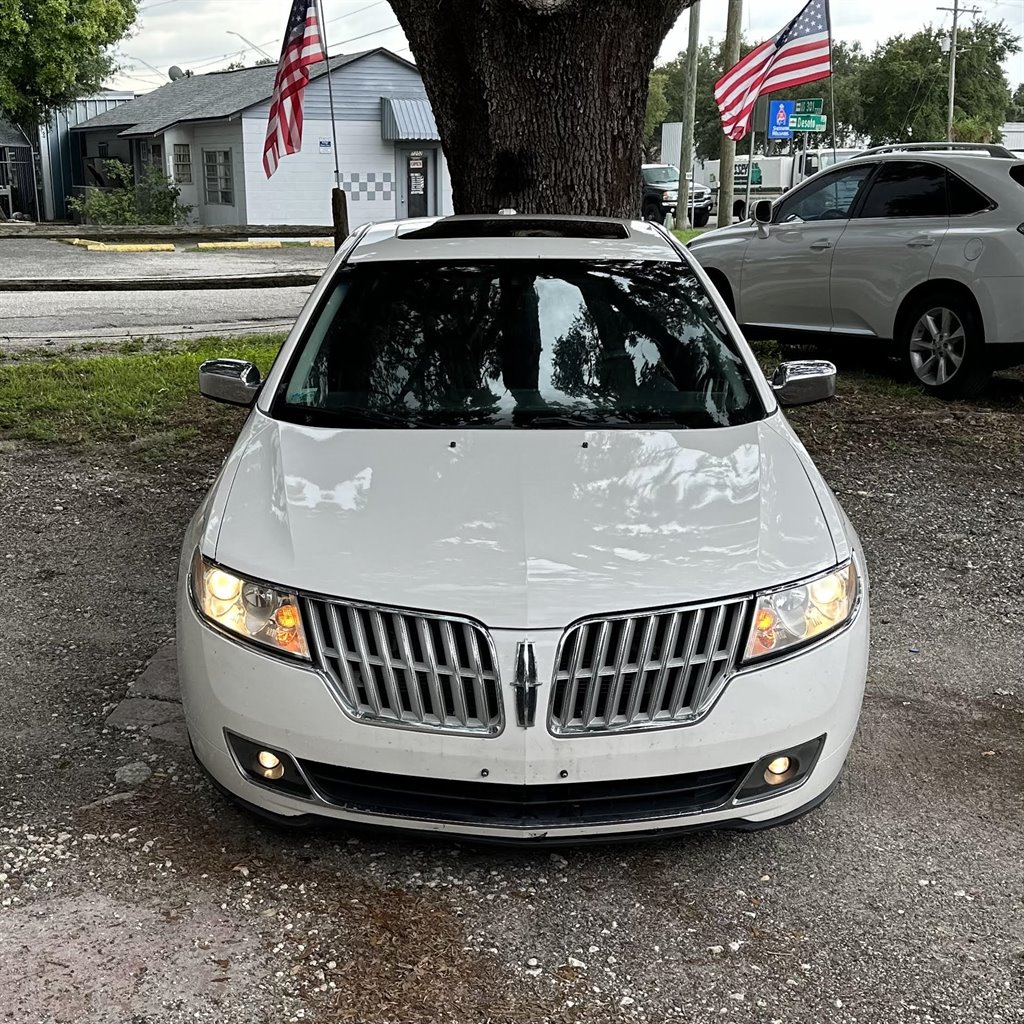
[800, 53]
[302, 47]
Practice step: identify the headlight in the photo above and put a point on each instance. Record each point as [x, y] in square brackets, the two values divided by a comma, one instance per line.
[262, 614]
[790, 617]
[669, 197]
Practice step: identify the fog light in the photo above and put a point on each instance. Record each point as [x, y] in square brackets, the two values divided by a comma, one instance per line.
[270, 765]
[777, 767]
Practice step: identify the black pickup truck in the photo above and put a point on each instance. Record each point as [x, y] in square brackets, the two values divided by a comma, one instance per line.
[661, 192]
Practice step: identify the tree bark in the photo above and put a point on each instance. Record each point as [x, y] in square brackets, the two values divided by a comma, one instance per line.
[540, 103]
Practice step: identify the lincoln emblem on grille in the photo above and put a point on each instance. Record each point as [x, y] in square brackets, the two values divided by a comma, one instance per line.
[525, 684]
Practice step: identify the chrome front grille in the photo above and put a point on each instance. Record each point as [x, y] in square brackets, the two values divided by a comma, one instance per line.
[645, 671]
[407, 669]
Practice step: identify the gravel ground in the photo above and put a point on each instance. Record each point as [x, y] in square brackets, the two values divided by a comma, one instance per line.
[145, 898]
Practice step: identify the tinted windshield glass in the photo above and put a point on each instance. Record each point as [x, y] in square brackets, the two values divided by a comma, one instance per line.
[666, 175]
[517, 344]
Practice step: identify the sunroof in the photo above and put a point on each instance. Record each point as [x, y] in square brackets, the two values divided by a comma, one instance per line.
[518, 227]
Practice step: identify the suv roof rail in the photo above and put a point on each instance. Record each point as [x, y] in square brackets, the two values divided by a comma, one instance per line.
[951, 147]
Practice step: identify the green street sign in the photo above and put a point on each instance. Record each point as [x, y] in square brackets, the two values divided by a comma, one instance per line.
[808, 123]
[810, 106]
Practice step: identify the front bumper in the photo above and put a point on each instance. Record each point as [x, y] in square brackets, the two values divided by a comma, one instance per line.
[231, 687]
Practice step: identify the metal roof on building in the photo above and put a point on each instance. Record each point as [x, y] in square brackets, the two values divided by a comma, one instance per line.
[217, 95]
[407, 120]
[10, 135]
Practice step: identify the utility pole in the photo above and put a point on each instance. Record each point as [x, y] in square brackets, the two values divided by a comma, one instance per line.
[689, 112]
[727, 164]
[956, 11]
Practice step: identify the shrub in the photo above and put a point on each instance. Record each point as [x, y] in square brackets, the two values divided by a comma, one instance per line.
[151, 200]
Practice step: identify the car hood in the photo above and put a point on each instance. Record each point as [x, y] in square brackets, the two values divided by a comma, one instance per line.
[517, 528]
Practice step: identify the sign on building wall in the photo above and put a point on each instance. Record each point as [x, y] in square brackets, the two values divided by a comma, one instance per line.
[325, 146]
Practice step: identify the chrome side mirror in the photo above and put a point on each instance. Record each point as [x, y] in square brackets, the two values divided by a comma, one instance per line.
[235, 381]
[804, 381]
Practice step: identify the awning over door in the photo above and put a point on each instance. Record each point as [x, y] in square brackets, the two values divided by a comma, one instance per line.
[407, 120]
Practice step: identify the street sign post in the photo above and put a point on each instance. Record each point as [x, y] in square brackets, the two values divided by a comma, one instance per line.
[808, 123]
[780, 113]
[809, 106]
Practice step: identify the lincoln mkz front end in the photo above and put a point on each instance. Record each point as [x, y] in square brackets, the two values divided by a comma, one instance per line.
[517, 544]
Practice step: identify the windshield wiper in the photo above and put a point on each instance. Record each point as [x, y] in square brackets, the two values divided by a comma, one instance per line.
[359, 415]
[560, 421]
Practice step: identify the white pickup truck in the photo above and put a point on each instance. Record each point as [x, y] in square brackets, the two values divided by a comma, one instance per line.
[772, 175]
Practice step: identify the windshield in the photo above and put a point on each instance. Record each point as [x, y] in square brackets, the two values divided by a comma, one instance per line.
[517, 343]
[664, 174]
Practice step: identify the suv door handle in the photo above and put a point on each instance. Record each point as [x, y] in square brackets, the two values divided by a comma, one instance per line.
[921, 242]
[821, 245]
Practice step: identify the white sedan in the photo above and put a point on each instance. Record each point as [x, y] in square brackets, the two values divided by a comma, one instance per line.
[516, 543]
[919, 246]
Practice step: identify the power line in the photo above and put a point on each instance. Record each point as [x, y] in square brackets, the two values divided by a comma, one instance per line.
[203, 62]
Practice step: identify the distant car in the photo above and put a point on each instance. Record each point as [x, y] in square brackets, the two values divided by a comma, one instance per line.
[517, 543]
[661, 195]
[921, 245]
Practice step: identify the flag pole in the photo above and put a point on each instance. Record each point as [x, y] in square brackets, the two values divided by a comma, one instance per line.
[831, 85]
[339, 208]
[750, 169]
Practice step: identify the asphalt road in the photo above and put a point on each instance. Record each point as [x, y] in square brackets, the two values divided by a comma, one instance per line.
[31, 319]
[900, 901]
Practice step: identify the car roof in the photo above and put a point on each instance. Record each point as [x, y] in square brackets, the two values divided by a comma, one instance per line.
[513, 236]
[989, 172]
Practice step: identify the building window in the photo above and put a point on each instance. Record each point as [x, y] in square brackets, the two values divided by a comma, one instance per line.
[143, 153]
[183, 164]
[103, 149]
[217, 174]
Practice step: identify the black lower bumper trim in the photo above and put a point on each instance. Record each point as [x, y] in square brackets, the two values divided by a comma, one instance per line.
[501, 805]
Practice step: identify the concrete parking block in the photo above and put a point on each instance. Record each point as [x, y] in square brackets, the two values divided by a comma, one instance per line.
[207, 246]
[142, 713]
[130, 247]
[159, 679]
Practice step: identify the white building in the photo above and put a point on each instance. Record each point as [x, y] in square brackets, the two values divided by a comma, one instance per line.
[206, 132]
[1013, 135]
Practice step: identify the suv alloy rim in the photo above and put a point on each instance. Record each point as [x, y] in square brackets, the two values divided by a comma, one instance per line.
[937, 346]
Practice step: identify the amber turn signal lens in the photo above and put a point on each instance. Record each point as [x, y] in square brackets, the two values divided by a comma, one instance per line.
[287, 616]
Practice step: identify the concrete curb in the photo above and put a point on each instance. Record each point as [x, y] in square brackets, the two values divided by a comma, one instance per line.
[295, 279]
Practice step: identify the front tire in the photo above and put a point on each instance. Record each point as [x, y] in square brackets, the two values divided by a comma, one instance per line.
[943, 346]
[700, 218]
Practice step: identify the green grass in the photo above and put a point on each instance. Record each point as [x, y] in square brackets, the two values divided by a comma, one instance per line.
[685, 236]
[150, 399]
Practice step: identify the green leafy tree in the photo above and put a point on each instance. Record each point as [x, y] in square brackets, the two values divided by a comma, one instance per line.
[657, 108]
[53, 50]
[1015, 111]
[904, 86]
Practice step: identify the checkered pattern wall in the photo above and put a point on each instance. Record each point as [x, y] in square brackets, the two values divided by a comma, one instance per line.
[368, 185]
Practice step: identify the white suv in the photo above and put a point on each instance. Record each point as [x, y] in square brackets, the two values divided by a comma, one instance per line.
[516, 543]
[920, 244]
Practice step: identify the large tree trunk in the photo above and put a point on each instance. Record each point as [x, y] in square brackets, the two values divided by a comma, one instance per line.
[540, 103]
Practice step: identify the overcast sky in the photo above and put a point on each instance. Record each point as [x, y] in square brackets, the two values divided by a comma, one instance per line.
[194, 34]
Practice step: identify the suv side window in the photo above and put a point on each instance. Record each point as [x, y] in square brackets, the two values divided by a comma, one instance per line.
[965, 199]
[905, 188]
[830, 197]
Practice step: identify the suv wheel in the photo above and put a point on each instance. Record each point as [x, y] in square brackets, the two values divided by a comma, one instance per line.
[944, 347]
[653, 213]
[700, 218]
